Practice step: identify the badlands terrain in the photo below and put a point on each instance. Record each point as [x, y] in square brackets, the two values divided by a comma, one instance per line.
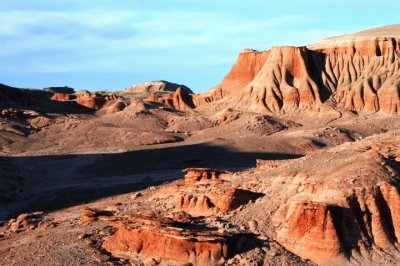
[293, 159]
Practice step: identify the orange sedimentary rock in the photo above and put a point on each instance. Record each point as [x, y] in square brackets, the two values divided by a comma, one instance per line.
[166, 240]
[205, 175]
[361, 75]
[179, 100]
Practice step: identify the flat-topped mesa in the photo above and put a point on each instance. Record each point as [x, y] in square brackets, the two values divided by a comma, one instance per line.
[364, 46]
[358, 72]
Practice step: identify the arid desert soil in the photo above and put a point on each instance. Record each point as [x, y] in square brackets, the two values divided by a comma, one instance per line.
[292, 160]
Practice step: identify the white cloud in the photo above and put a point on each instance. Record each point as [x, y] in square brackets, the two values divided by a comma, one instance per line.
[113, 40]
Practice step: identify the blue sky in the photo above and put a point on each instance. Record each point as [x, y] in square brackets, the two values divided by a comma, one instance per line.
[112, 44]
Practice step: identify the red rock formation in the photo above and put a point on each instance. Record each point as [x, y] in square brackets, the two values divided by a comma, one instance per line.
[198, 200]
[338, 213]
[308, 230]
[246, 67]
[91, 215]
[331, 232]
[217, 201]
[61, 97]
[165, 240]
[358, 73]
[228, 199]
[27, 222]
[205, 176]
[179, 100]
[95, 100]
[283, 83]
[196, 205]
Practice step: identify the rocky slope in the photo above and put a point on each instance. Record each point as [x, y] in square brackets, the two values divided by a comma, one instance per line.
[292, 160]
[357, 72]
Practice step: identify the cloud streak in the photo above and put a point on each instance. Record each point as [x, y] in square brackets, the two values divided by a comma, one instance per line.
[79, 38]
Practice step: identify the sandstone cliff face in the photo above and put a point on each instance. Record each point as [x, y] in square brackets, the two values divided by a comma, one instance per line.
[283, 83]
[360, 75]
[247, 66]
[338, 214]
[336, 232]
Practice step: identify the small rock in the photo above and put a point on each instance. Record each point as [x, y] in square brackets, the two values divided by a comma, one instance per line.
[89, 242]
[136, 195]
[253, 225]
[237, 257]
[82, 236]
[101, 257]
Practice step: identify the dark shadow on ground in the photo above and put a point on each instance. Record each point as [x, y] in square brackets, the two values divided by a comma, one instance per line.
[114, 169]
[178, 158]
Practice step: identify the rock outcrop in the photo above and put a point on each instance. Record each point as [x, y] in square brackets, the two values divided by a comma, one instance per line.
[205, 203]
[358, 72]
[155, 238]
[27, 222]
[91, 215]
[62, 97]
[204, 193]
[187, 235]
[196, 176]
[337, 214]
[156, 86]
[180, 100]
[94, 101]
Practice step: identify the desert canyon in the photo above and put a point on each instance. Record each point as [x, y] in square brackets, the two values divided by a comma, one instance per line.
[293, 159]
